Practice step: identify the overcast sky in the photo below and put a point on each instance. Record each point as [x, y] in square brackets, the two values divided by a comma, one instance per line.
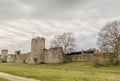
[20, 18]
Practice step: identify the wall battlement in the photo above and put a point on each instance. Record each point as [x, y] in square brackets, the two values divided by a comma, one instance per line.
[39, 54]
[37, 50]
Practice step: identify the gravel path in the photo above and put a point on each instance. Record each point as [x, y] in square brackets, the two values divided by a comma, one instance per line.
[15, 78]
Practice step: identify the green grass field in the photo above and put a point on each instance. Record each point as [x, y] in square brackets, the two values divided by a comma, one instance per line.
[75, 71]
[2, 79]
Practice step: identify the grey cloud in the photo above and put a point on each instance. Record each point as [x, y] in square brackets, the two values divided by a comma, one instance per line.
[20, 18]
[18, 34]
[57, 9]
[20, 9]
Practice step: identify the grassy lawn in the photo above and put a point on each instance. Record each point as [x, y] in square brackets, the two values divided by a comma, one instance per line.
[2, 79]
[75, 71]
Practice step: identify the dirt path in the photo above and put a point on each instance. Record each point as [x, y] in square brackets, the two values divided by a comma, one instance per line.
[15, 78]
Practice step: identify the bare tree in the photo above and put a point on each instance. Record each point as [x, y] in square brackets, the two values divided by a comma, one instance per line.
[108, 37]
[65, 40]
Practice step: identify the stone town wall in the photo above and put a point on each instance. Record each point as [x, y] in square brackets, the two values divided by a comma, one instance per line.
[54, 55]
[103, 57]
[23, 57]
[4, 54]
[89, 57]
[18, 57]
[79, 57]
[39, 55]
[11, 58]
[0, 59]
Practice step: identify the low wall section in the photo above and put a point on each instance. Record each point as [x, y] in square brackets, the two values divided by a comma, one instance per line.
[80, 57]
[23, 57]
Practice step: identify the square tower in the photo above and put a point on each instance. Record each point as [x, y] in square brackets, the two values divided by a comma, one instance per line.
[4, 54]
[37, 50]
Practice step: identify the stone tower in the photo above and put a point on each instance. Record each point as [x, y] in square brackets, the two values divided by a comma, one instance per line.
[4, 54]
[37, 50]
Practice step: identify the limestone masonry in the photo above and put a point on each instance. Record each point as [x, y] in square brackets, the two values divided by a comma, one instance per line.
[39, 54]
[4, 55]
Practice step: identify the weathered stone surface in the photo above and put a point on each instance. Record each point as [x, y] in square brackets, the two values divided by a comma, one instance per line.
[33, 51]
[37, 50]
[80, 57]
[22, 57]
[40, 55]
[11, 58]
[103, 57]
[40, 47]
[4, 55]
[54, 55]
